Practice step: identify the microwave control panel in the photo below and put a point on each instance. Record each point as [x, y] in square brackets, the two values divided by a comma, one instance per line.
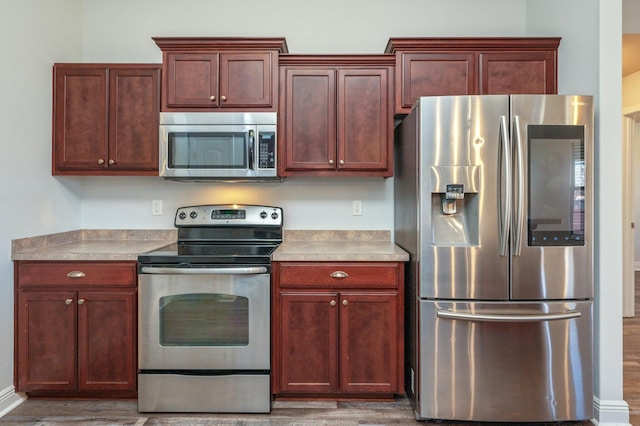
[267, 150]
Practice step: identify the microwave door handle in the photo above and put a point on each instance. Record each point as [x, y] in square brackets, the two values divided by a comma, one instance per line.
[252, 140]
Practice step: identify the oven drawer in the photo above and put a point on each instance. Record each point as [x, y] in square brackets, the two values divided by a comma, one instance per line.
[231, 393]
[338, 274]
[76, 273]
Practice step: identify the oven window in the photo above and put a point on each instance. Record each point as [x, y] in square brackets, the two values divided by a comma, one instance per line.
[204, 319]
[208, 150]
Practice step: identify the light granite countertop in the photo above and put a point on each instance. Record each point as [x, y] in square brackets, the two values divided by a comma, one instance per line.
[344, 246]
[125, 245]
[91, 244]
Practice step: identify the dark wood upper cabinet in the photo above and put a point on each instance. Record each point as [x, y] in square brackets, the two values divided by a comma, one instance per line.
[472, 66]
[336, 115]
[210, 74]
[504, 73]
[105, 119]
[435, 74]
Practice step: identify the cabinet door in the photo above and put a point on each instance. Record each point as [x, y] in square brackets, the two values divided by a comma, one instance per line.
[46, 341]
[191, 80]
[246, 79]
[134, 95]
[80, 118]
[309, 140]
[365, 137]
[106, 340]
[369, 342]
[518, 73]
[434, 74]
[308, 342]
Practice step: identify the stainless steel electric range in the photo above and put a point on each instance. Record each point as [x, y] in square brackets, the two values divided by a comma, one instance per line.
[204, 312]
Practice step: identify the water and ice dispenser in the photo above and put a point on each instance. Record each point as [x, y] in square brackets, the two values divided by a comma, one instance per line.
[454, 205]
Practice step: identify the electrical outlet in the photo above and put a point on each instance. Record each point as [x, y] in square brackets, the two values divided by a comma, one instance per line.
[357, 207]
[156, 207]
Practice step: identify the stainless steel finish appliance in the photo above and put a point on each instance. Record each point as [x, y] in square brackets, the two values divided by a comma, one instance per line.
[204, 312]
[218, 146]
[493, 199]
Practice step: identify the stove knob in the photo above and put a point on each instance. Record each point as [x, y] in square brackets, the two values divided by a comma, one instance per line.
[193, 214]
[182, 215]
[274, 215]
[263, 214]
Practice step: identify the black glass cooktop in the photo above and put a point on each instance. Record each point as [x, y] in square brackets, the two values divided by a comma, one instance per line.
[189, 253]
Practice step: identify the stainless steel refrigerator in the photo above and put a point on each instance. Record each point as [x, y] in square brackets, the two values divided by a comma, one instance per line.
[493, 201]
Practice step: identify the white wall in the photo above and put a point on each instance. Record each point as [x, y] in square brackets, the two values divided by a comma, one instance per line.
[631, 90]
[34, 34]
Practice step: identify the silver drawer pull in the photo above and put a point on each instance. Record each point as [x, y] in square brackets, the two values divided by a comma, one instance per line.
[339, 274]
[68, 301]
[81, 301]
[76, 274]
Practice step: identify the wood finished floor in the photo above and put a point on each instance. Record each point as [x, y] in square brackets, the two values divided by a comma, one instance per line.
[631, 358]
[311, 413]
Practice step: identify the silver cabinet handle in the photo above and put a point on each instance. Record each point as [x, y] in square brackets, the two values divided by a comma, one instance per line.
[338, 274]
[445, 313]
[332, 303]
[100, 161]
[81, 301]
[112, 162]
[330, 161]
[76, 274]
[345, 302]
[68, 301]
[224, 98]
[212, 98]
[342, 162]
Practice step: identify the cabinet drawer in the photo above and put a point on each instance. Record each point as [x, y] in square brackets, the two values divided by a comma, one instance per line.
[371, 275]
[76, 273]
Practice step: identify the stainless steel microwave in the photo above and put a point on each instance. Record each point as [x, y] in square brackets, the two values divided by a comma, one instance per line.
[222, 146]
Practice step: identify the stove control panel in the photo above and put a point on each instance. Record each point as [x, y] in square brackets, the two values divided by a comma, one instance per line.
[228, 214]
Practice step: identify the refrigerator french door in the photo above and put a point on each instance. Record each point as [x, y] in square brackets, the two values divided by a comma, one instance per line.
[493, 203]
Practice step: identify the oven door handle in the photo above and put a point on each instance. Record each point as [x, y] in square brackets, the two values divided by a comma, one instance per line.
[204, 271]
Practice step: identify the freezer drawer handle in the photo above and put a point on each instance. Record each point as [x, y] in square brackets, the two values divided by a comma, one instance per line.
[445, 313]
[203, 271]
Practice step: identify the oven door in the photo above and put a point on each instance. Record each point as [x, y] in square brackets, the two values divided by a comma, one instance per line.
[204, 318]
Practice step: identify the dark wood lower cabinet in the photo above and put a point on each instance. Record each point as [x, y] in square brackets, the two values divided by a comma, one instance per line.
[106, 342]
[76, 339]
[338, 336]
[46, 340]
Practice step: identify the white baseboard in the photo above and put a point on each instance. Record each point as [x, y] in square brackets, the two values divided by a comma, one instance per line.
[9, 400]
[610, 412]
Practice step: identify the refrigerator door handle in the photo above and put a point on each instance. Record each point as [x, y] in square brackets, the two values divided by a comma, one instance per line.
[445, 313]
[519, 194]
[504, 185]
